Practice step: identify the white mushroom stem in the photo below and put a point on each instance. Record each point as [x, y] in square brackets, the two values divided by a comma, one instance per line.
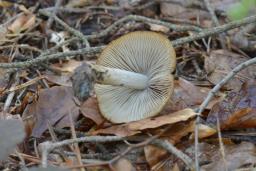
[118, 77]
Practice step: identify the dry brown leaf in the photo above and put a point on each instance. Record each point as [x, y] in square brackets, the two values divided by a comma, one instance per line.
[237, 110]
[23, 22]
[180, 130]
[221, 62]
[204, 131]
[157, 157]
[91, 110]
[154, 155]
[123, 165]
[53, 106]
[178, 11]
[69, 66]
[235, 157]
[63, 79]
[137, 126]
[187, 95]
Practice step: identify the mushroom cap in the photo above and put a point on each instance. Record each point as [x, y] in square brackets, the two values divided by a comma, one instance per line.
[145, 52]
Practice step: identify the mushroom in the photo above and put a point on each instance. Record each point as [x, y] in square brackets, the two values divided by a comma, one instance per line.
[133, 76]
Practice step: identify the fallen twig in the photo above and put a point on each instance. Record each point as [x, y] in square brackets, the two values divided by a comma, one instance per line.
[55, 9]
[215, 22]
[91, 50]
[48, 146]
[215, 30]
[43, 57]
[73, 31]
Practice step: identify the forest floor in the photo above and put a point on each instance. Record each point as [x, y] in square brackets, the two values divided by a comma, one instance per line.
[207, 124]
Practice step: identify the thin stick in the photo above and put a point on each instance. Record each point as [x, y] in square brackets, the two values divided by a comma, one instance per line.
[43, 57]
[211, 94]
[73, 31]
[173, 150]
[55, 10]
[48, 146]
[215, 30]
[222, 148]
[76, 149]
[111, 28]
[215, 21]
[82, 10]
[92, 50]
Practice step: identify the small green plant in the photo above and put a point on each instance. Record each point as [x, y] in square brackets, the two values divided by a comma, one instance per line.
[241, 9]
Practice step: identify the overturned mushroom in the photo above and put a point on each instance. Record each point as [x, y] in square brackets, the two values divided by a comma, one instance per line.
[133, 76]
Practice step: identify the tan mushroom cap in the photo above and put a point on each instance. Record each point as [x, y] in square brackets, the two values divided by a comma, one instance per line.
[145, 52]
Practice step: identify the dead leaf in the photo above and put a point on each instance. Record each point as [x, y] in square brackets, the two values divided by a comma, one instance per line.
[63, 79]
[137, 126]
[154, 155]
[180, 10]
[237, 110]
[158, 158]
[204, 131]
[124, 165]
[11, 133]
[90, 109]
[23, 22]
[53, 105]
[68, 66]
[221, 62]
[187, 95]
[236, 156]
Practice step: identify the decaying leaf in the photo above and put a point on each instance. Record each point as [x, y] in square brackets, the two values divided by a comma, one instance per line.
[69, 66]
[178, 11]
[138, 126]
[90, 109]
[221, 62]
[124, 165]
[63, 79]
[158, 158]
[53, 106]
[235, 157]
[154, 155]
[187, 95]
[23, 22]
[237, 110]
[11, 133]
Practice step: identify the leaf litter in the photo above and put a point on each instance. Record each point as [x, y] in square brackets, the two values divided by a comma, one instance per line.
[43, 94]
